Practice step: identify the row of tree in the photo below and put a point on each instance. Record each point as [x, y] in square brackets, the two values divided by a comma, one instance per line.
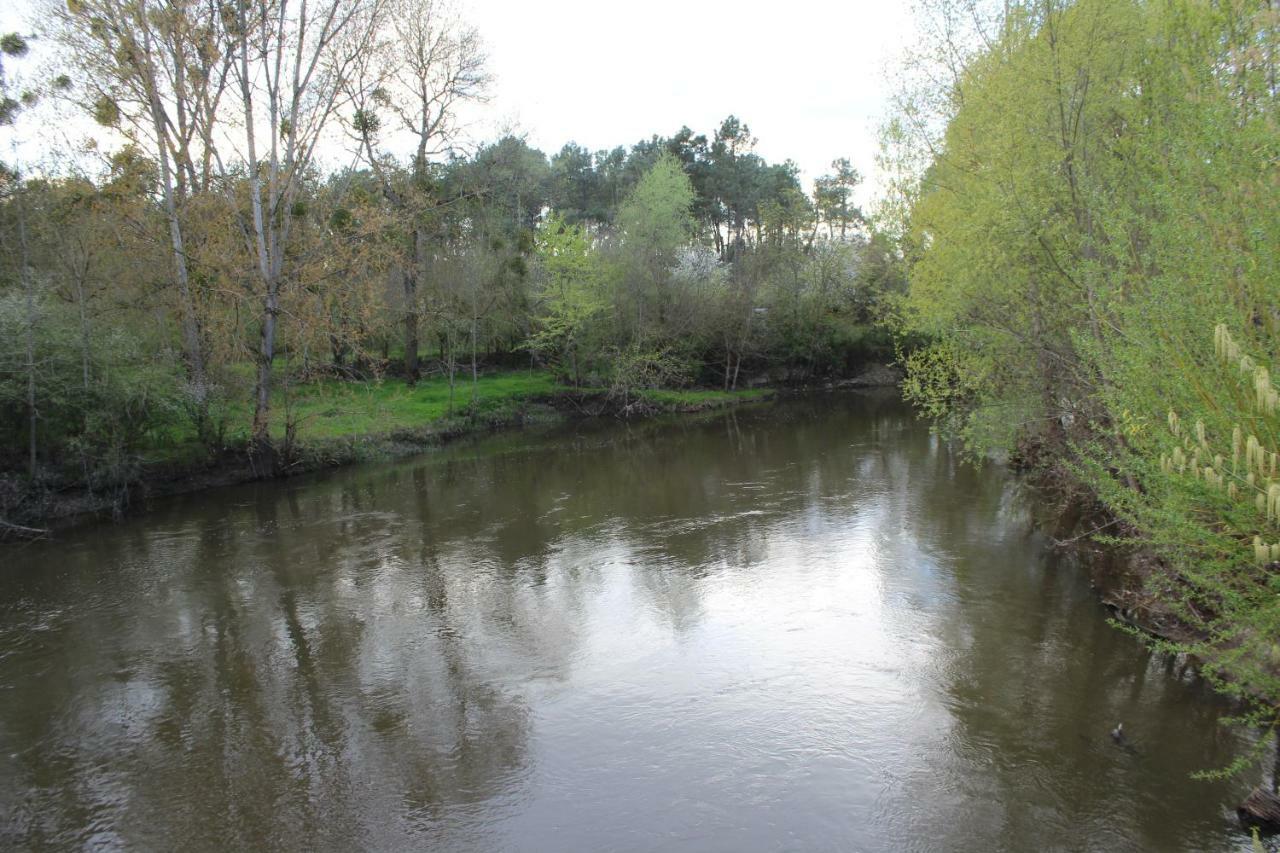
[214, 259]
[1090, 206]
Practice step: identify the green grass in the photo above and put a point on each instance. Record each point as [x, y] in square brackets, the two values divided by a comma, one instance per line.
[335, 408]
[330, 409]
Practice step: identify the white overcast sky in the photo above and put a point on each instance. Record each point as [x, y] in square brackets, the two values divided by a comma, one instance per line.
[808, 76]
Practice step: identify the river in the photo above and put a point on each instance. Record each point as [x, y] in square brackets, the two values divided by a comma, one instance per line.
[806, 625]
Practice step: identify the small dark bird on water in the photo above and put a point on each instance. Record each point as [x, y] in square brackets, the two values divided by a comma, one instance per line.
[1122, 740]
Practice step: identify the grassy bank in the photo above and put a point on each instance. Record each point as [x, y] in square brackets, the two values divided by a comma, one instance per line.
[339, 422]
[333, 409]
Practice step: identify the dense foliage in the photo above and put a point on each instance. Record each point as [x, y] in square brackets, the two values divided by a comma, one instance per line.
[1091, 210]
[197, 266]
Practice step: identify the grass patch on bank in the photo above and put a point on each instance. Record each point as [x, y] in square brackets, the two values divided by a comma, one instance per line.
[336, 408]
[329, 410]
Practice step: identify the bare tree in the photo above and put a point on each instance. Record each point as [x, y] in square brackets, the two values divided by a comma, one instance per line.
[291, 61]
[430, 65]
[157, 72]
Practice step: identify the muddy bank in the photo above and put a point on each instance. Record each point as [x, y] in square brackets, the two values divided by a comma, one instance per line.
[1120, 576]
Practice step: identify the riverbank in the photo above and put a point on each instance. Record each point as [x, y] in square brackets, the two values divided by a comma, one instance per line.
[335, 423]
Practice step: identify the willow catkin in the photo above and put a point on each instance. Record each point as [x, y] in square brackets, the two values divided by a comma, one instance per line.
[1224, 345]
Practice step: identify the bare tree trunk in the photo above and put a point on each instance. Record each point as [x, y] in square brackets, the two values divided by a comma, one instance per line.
[190, 324]
[475, 376]
[452, 365]
[411, 327]
[24, 259]
[84, 333]
[261, 437]
[416, 265]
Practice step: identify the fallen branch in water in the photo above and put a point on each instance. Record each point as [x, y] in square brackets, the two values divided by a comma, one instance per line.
[9, 529]
[1059, 543]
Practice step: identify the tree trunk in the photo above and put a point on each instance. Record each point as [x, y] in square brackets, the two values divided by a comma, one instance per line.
[411, 328]
[452, 366]
[260, 444]
[416, 267]
[194, 352]
[29, 287]
[475, 376]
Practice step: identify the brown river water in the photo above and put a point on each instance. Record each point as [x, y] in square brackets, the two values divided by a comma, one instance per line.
[805, 625]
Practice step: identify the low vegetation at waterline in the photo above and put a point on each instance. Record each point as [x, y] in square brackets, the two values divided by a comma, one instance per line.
[1090, 209]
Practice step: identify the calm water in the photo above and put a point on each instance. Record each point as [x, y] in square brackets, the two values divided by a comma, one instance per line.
[801, 627]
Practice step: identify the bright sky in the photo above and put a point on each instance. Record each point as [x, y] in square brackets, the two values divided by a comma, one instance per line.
[807, 76]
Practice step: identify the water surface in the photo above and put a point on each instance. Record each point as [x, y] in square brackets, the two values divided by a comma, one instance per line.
[803, 626]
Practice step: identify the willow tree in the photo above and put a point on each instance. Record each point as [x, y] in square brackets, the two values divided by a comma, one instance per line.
[1092, 245]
